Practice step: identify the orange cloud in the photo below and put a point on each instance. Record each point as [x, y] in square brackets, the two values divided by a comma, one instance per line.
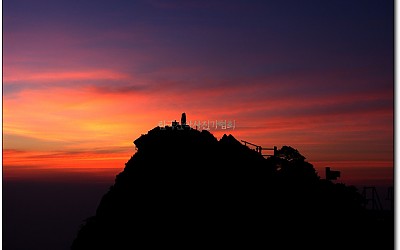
[47, 159]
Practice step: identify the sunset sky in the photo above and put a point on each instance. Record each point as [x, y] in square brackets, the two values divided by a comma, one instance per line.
[83, 79]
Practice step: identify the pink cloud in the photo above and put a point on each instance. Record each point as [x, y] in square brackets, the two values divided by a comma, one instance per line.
[43, 77]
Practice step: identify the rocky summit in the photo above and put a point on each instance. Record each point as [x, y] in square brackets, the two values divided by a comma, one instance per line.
[183, 188]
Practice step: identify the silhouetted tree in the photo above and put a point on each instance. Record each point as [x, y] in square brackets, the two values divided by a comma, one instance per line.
[290, 154]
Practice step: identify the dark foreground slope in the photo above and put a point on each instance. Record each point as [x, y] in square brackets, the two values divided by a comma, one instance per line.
[185, 189]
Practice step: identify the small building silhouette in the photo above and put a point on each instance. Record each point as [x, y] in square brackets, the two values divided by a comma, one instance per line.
[183, 119]
[331, 174]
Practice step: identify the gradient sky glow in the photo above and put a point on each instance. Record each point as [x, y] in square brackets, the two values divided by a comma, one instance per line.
[83, 79]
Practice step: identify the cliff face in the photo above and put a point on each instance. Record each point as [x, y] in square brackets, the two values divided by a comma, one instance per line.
[184, 188]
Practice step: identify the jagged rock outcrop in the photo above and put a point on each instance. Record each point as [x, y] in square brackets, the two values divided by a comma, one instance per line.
[184, 188]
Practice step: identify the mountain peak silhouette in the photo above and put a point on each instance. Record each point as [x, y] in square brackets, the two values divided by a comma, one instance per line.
[185, 188]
